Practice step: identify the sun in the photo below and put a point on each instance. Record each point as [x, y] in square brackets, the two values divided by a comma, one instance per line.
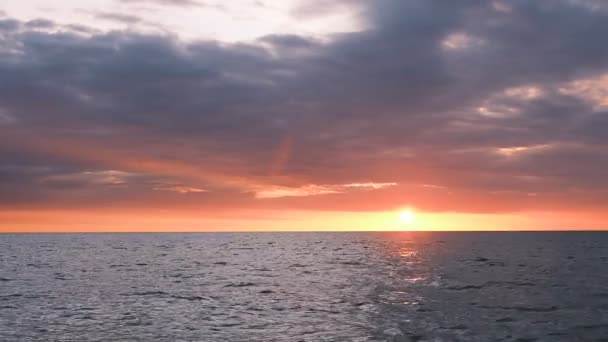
[407, 216]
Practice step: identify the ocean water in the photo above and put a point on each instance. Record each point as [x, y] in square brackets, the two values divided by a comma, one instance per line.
[304, 287]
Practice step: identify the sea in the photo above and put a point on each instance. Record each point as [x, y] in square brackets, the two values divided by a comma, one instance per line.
[399, 286]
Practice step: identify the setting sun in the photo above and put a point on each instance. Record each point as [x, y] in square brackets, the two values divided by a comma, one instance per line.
[407, 216]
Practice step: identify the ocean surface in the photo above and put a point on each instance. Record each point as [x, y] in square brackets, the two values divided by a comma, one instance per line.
[304, 287]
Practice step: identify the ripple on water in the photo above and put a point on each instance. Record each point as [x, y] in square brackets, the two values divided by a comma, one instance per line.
[304, 287]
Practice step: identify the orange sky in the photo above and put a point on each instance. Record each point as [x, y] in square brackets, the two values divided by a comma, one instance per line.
[256, 220]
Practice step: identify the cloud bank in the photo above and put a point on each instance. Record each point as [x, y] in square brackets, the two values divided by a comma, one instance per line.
[469, 106]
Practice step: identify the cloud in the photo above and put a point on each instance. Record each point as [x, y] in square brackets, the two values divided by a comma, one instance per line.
[40, 23]
[180, 189]
[304, 191]
[370, 185]
[316, 190]
[6, 118]
[119, 17]
[488, 102]
[109, 177]
[593, 90]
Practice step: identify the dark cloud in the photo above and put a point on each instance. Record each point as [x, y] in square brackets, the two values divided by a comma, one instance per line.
[290, 41]
[9, 24]
[40, 23]
[461, 103]
[119, 17]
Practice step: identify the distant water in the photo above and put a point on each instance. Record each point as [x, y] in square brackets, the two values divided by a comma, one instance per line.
[304, 287]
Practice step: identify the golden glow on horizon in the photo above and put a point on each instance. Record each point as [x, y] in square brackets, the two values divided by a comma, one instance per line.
[167, 220]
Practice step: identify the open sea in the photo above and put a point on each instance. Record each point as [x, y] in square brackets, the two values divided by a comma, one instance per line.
[420, 286]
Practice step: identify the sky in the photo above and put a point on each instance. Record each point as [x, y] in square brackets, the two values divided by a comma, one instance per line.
[195, 115]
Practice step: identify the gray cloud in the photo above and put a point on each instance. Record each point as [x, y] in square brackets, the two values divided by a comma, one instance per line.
[119, 17]
[394, 103]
